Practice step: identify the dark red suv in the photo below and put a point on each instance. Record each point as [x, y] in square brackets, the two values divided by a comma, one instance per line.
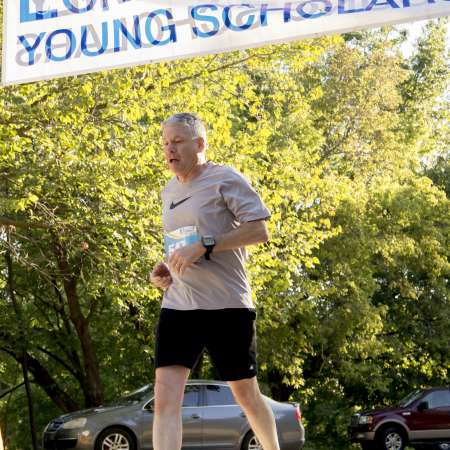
[421, 420]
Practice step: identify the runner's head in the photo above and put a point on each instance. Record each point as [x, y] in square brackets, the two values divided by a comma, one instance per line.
[184, 141]
[193, 123]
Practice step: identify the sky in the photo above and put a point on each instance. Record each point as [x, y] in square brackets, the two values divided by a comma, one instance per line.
[415, 29]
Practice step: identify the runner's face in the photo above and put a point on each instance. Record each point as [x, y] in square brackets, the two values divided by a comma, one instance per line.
[180, 149]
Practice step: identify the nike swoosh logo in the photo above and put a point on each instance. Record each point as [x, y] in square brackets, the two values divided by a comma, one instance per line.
[174, 205]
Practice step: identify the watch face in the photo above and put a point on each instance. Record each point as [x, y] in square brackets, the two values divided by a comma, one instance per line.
[208, 240]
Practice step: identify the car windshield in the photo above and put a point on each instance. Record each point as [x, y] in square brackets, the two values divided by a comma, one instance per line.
[134, 397]
[410, 398]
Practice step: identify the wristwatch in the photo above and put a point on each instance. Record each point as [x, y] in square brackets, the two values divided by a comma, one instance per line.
[208, 242]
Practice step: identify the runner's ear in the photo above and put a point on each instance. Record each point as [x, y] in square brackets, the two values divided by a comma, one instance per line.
[201, 144]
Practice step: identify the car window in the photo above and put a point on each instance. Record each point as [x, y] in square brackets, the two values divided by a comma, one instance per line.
[410, 398]
[219, 395]
[191, 395]
[437, 399]
[134, 397]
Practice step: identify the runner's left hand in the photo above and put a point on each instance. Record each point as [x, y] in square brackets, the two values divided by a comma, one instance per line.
[184, 257]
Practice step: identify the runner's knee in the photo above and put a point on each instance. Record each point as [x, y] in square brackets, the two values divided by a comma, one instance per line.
[247, 393]
[169, 390]
[167, 400]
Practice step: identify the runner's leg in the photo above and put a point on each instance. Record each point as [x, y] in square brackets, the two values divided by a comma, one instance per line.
[169, 391]
[259, 414]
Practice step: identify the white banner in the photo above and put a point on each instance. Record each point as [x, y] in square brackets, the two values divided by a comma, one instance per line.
[53, 38]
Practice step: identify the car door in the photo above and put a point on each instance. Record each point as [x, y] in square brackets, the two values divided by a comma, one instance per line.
[145, 426]
[192, 414]
[223, 420]
[192, 420]
[434, 421]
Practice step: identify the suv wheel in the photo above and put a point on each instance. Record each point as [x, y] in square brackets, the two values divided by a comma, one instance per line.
[250, 442]
[392, 439]
[115, 439]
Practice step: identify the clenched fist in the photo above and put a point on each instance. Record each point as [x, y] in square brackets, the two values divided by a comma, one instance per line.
[160, 276]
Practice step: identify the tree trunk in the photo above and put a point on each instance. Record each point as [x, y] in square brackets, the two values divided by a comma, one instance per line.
[93, 390]
[43, 378]
[23, 344]
[30, 404]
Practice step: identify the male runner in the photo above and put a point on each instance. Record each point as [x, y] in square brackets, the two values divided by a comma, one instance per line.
[210, 213]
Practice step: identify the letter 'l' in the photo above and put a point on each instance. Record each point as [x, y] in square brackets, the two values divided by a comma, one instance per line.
[27, 16]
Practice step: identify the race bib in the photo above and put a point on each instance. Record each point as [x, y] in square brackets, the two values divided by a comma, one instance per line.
[180, 238]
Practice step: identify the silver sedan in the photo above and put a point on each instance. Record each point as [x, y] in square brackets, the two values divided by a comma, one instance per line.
[211, 420]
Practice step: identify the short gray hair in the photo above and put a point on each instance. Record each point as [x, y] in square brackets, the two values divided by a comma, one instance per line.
[190, 121]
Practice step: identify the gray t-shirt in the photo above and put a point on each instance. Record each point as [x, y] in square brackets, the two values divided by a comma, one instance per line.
[215, 202]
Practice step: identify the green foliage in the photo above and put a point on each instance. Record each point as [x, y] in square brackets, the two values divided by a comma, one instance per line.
[346, 142]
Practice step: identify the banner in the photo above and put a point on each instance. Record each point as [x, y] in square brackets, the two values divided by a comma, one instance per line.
[44, 39]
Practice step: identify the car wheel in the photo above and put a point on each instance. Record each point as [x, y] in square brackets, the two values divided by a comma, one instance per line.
[392, 439]
[250, 442]
[115, 439]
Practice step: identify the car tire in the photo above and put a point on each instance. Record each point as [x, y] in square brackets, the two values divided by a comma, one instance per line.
[391, 439]
[115, 438]
[250, 442]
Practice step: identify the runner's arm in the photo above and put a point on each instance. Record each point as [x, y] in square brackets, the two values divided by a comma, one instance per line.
[247, 233]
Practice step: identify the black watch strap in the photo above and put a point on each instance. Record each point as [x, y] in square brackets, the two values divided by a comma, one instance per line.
[209, 243]
[209, 250]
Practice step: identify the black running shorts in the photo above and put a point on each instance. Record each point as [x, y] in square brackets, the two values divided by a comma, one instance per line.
[228, 335]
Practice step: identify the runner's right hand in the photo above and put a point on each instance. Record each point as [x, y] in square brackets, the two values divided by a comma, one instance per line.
[160, 276]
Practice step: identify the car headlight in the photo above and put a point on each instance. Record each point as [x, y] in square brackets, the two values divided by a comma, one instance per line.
[75, 423]
[364, 420]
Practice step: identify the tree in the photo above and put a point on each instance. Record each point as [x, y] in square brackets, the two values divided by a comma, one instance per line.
[325, 131]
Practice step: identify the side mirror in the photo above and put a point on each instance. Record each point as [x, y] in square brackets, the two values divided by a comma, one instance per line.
[149, 406]
[422, 406]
